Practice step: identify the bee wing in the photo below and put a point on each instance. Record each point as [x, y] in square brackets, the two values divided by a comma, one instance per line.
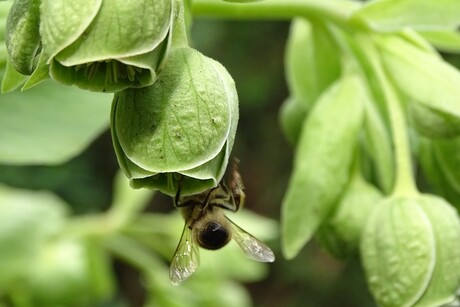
[186, 258]
[252, 247]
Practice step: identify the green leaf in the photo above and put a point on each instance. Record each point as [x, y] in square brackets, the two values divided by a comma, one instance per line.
[394, 15]
[445, 279]
[312, 61]
[40, 74]
[398, 252]
[49, 124]
[447, 40]
[322, 163]
[423, 77]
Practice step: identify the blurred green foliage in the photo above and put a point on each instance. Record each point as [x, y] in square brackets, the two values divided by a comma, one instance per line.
[85, 183]
[72, 227]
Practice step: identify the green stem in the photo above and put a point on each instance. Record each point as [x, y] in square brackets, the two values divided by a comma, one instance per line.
[135, 254]
[337, 12]
[404, 181]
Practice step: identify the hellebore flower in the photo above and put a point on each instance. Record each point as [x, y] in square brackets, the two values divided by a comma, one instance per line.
[97, 45]
[410, 251]
[180, 128]
[104, 45]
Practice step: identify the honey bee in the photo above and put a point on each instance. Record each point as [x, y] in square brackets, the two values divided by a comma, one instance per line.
[207, 226]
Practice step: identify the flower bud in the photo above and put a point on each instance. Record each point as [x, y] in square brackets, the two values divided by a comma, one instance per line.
[105, 45]
[410, 251]
[22, 35]
[180, 128]
[341, 233]
[292, 115]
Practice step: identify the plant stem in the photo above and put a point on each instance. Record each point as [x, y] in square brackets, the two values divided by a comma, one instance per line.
[404, 180]
[337, 12]
[405, 183]
[132, 252]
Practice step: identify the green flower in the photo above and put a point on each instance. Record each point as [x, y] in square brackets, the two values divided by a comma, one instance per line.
[183, 126]
[105, 45]
[410, 251]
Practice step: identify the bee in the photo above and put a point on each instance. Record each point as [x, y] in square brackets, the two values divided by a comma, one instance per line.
[207, 226]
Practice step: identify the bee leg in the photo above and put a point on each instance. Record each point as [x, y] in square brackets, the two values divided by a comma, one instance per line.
[237, 186]
[177, 198]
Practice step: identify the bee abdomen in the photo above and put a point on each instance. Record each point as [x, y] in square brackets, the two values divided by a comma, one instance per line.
[213, 236]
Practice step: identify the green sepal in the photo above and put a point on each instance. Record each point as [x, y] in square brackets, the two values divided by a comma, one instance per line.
[40, 74]
[11, 79]
[106, 46]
